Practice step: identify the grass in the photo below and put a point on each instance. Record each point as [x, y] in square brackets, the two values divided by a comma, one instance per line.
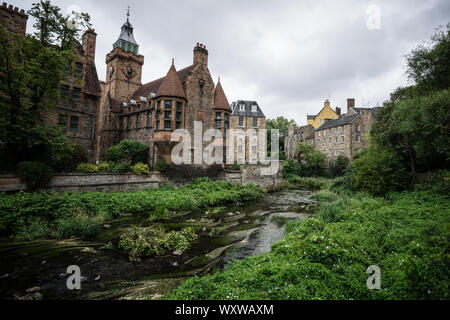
[82, 214]
[405, 234]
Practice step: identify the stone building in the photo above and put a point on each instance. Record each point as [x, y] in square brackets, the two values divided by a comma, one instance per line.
[295, 135]
[247, 115]
[13, 19]
[346, 135]
[325, 113]
[76, 110]
[151, 112]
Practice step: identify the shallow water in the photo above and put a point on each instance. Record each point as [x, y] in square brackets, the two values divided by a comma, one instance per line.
[225, 234]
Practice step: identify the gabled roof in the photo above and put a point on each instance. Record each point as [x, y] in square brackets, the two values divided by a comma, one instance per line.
[220, 100]
[248, 109]
[311, 117]
[341, 121]
[171, 85]
[153, 86]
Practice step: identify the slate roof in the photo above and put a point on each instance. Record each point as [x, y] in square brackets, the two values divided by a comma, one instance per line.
[127, 33]
[341, 121]
[248, 109]
[220, 99]
[171, 85]
[153, 86]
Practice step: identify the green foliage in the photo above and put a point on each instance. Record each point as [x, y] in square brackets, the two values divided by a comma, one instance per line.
[324, 196]
[87, 168]
[131, 151]
[159, 213]
[338, 167]
[35, 174]
[308, 183]
[78, 223]
[32, 68]
[282, 125]
[17, 211]
[104, 167]
[311, 164]
[140, 168]
[161, 165]
[155, 240]
[121, 167]
[64, 156]
[36, 228]
[327, 257]
[379, 171]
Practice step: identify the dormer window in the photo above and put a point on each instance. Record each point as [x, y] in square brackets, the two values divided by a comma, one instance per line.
[254, 108]
[242, 107]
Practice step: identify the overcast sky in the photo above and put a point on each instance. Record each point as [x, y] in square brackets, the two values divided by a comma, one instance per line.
[287, 55]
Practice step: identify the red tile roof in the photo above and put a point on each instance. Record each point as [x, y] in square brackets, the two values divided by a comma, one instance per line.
[171, 85]
[220, 100]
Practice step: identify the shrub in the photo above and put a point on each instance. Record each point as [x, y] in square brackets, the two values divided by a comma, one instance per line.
[379, 171]
[67, 157]
[155, 240]
[79, 224]
[87, 168]
[140, 168]
[37, 228]
[131, 151]
[121, 167]
[104, 167]
[34, 174]
[338, 167]
[161, 165]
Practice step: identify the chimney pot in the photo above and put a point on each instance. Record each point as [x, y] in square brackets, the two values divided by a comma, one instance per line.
[4, 4]
[10, 7]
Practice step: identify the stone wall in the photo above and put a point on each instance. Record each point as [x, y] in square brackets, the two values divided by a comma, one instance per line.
[77, 182]
[13, 19]
[251, 173]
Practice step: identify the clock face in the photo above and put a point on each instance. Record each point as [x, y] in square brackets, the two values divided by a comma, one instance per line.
[129, 71]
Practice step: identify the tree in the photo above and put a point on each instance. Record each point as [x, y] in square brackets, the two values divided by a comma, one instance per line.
[282, 124]
[31, 69]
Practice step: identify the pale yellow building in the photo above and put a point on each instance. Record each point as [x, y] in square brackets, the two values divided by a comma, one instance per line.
[326, 113]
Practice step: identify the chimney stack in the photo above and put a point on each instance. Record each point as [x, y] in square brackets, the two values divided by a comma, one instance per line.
[338, 111]
[89, 43]
[326, 103]
[350, 103]
[200, 55]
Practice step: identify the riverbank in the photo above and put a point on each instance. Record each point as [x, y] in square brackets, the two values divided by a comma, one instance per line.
[326, 257]
[29, 216]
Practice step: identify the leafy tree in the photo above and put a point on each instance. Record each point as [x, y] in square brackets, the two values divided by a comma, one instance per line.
[282, 124]
[130, 151]
[311, 162]
[339, 166]
[31, 69]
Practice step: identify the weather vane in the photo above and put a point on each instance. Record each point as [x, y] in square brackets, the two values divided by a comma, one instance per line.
[128, 13]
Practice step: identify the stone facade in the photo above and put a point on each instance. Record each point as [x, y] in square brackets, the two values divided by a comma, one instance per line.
[13, 19]
[295, 135]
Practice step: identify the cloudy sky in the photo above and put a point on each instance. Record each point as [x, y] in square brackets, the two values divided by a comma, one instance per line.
[288, 55]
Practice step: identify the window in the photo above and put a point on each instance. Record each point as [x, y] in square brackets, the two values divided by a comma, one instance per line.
[73, 123]
[255, 122]
[167, 115]
[158, 105]
[329, 152]
[157, 124]
[325, 133]
[138, 120]
[158, 115]
[254, 108]
[242, 107]
[321, 120]
[68, 66]
[149, 119]
[76, 94]
[218, 123]
[79, 69]
[358, 139]
[336, 130]
[226, 120]
[178, 125]
[342, 139]
[319, 133]
[65, 90]
[324, 141]
[167, 125]
[178, 115]
[330, 140]
[168, 105]
[342, 129]
[358, 128]
[179, 106]
[335, 140]
[218, 115]
[318, 142]
[201, 90]
[62, 120]
[335, 152]
[342, 151]
[241, 121]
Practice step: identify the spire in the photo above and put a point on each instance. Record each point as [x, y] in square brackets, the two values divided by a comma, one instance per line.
[126, 39]
[220, 100]
[171, 85]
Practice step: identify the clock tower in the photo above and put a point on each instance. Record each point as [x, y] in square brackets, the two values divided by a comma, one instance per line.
[124, 65]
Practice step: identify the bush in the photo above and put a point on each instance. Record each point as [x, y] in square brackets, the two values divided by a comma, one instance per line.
[338, 167]
[79, 224]
[379, 171]
[67, 156]
[161, 165]
[140, 168]
[155, 240]
[131, 151]
[104, 167]
[34, 174]
[36, 228]
[121, 167]
[87, 168]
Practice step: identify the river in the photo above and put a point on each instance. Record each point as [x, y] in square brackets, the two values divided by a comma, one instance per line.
[37, 269]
